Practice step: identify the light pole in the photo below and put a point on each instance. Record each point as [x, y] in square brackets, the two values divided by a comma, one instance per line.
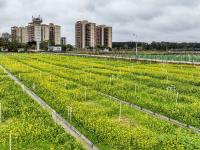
[136, 44]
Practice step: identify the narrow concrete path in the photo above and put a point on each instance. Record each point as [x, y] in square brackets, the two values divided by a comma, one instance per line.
[56, 117]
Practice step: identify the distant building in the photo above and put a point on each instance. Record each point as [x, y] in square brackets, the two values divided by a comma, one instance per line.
[85, 34]
[89, 35]
[24, 35]
[54, 34]
[19, 34]
[15, 34]
[45, 32]
[6, 36]
[54, 48]
[63, 41]
[104, 36]
[31, 32]
[37, 32]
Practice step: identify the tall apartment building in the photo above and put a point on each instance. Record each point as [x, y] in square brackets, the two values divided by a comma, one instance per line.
[45, 32]
[24, 35]
[104, 36]
[37, 32]
[34, 30]
[89, 35]
[85, 34]
[6, 35]
[63, 41]
[80, 34]
[15, 33]
[31, 32]
[19, 34]
[54, 34]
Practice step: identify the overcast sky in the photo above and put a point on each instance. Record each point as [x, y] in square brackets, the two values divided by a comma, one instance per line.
[151, 20]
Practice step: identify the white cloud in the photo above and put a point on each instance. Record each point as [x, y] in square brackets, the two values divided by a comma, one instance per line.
[158, 20]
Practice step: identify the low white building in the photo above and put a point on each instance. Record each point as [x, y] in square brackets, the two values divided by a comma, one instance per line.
[55, 49]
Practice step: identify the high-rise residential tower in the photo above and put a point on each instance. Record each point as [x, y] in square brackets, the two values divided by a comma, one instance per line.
[54, 34]
[89, 35]
[85, 34]
[104, 36]
[15, 34]
[6, 36]
[63, 41]
[24, 34]
[37, 32]
[19, 34]
[80, 34]
[45, 32]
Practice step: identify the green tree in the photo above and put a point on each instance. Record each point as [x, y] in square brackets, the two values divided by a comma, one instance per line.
[69, 47]
[44, 45]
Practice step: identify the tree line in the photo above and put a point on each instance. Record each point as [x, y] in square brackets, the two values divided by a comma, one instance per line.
[158, 46]
[14, 46]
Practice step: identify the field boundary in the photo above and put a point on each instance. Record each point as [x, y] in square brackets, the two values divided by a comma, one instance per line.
[137, 107]
[154, 114]
[58, 119]
[130, 59]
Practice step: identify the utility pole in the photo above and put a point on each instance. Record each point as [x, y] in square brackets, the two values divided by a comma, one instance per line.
[136, 44]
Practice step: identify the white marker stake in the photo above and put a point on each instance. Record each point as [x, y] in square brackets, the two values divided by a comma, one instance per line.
[10, 142]
[177, 95]
[0, 113]
[70, 113]
[90, 76]
[85, 94]
[33, 86]
[120, 111]
[135, 89]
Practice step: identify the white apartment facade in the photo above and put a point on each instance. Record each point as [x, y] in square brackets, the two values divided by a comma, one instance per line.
[44, 32]
[57, 35]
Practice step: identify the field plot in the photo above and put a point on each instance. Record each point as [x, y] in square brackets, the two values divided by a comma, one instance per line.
[72, 86]
[24, 125]
[164, 57]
